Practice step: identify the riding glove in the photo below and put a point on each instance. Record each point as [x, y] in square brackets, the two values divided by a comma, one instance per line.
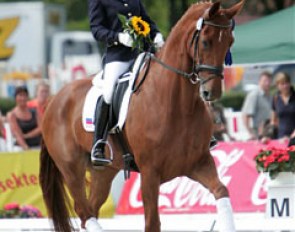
[159, 40]
[125, 39]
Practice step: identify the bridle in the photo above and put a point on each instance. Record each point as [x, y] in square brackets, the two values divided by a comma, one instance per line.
[217, 71]
[194, 77]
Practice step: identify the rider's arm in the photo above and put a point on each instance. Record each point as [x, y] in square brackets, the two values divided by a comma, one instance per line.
[98, 23]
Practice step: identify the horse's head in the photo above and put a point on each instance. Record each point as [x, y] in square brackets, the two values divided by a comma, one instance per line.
[212, 38]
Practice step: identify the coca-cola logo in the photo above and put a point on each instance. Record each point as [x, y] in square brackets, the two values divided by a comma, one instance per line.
[183, 192]
[185, 195]
[259, 190]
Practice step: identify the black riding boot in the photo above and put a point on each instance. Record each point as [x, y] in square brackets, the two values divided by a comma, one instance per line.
[101, 120]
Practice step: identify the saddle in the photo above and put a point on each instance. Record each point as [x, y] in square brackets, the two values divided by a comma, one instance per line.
[119, 106]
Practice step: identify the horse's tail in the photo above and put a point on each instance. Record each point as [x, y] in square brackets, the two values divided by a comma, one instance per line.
[54, 194]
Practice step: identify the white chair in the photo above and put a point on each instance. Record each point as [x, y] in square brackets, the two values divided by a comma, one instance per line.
[10, 140]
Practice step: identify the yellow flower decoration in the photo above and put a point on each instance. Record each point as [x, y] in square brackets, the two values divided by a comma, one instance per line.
[140, 26]
[138, 29]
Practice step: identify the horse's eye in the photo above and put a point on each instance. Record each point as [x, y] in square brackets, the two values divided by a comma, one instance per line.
[205, 44]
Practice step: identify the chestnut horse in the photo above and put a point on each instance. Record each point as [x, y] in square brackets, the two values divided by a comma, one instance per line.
[168, 112]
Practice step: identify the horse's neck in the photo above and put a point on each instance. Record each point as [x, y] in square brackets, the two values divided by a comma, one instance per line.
[174, 90]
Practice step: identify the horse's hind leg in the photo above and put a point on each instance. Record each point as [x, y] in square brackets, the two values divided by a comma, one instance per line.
[206, 174]
[74, 176]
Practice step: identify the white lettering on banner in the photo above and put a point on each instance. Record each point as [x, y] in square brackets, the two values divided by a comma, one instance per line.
[134, 192]
[259, 186]
[225, 162]
[183, 192]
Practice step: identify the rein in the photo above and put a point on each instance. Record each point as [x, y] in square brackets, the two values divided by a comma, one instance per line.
[194, 76]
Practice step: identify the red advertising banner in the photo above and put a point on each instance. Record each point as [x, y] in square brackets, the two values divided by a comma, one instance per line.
[236, 169]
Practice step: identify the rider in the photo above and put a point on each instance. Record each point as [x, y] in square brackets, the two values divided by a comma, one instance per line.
[107, 28]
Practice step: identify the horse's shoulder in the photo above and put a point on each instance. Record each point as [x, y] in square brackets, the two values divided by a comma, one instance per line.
[81, 83]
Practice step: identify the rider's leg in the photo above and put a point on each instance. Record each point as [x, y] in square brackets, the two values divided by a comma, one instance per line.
[112, 72]
[101, 119]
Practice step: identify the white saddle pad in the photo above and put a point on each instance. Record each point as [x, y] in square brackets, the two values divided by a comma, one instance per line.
[92, 95]
[95, 92]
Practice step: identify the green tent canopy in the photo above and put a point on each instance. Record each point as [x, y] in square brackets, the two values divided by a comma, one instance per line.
[266, 40]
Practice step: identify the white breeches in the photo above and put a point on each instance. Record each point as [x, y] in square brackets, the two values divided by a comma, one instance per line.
[112, 71]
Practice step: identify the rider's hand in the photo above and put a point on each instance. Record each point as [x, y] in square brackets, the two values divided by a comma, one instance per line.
[125, 39]
[159, 40]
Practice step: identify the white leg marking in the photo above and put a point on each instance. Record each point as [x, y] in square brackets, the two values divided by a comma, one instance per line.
[92, 225]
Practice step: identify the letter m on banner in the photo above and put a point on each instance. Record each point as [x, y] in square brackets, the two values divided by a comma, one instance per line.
[281, 202]
[278, 209]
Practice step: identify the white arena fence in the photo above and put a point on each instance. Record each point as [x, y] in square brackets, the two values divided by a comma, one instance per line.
[245, 222]
[234, 124]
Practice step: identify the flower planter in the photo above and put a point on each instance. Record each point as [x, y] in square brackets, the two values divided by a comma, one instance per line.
[281, 196]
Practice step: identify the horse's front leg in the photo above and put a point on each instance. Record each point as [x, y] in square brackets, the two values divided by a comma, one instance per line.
[206, 174]
[150, 183]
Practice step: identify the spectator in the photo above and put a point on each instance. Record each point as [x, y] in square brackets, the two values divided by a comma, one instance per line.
[2, 134]
[42, 95]
[220, 127]
[2, 128]
[267, 131]
[24, 122]
[257, 106]
[283, 108]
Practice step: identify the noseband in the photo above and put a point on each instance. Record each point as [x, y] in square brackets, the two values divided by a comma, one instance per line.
[194, 77]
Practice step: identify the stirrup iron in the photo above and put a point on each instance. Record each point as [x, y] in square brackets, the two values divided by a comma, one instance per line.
[97, 161]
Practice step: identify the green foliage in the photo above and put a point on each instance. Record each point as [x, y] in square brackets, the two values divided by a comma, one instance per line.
[80, 25]
[164, 12]
[6, 104]
[158, 11]
[233, 100]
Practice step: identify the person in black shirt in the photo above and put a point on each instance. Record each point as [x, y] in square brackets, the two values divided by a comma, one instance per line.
[24, 123]
[283, 107]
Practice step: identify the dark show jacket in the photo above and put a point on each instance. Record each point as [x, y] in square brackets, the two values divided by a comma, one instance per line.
[285, 113]
[105, 25]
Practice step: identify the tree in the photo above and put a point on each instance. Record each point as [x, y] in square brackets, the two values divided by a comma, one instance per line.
[176, 10]
[165, 12]
[262, 7]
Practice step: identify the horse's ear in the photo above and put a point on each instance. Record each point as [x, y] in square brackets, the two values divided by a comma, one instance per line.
[212, 11]
[234, 10]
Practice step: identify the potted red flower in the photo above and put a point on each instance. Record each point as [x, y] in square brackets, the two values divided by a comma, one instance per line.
[14, 210]
[274, 161]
